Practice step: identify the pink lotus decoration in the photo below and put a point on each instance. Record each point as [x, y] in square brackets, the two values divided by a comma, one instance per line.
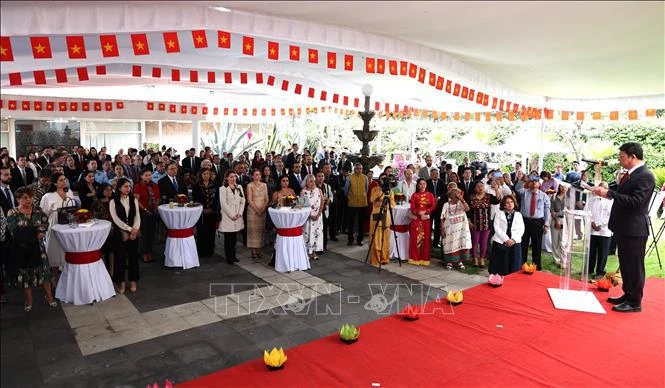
[167, 384]
[249, 135]
[495, 280]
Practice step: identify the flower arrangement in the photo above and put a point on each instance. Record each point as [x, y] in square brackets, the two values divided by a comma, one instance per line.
[182, 200]
[529, 268]
[82, 216]
[604, 284]
[400, 198]
[455, 297]
[495, 280]
[275, 359]
[349, 333]
[287, 201]
[410, 312]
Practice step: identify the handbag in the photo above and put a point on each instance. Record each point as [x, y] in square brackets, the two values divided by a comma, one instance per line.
[66, 212]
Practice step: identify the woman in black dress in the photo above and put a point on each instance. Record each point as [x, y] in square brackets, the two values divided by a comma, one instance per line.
[28, 265]
[87, 189]
[205, 192]
[100, 210]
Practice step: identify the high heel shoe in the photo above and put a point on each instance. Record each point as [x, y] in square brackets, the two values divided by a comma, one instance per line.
[50, 304]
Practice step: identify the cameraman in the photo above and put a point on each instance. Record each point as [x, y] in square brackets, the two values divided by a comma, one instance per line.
[380, 236]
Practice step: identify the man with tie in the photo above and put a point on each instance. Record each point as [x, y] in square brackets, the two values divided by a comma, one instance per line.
[468, 185]
[22, 175]
[7, 200]
[171, 185]
[535, 209]
[308, 167]
[629, 220]
[191, 161]
[440, 192]
[465, 164]
[296, 178]
[278, 170]
[291, 156]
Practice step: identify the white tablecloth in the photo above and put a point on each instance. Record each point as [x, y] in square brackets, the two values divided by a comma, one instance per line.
[180, 252]
[83, 283]
[400, 217]
[290, 252]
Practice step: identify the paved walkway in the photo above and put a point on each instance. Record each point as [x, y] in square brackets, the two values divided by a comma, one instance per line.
[184, 324]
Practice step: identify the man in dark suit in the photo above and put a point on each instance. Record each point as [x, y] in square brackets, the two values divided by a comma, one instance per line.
[479, 167]
[7, 200]
[295, 178]
[191, 161]
[513, 175]
[308, 167]
[278, 171]
[438, 189]
[171, 185]
[467, 184]
[629, 221]
[460, 169]
[45, 157]
[291, 157]
[22, 175]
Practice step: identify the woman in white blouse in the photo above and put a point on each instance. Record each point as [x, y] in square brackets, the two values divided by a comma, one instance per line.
[124, 209]
[232, 203]
[508, 232]
[313, 228]
[57, 197]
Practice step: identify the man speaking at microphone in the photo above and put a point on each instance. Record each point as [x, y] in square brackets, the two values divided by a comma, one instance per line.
[629, 220]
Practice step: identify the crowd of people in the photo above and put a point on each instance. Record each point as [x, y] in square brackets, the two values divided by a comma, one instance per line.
[473, 214]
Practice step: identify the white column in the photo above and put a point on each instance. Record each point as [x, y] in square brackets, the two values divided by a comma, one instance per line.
[159, 140]
[11, 137]
[196, 136]
[83, 134]
[142, 140]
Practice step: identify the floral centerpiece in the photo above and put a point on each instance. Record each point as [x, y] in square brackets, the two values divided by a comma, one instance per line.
[410, 312]
[455, 297]
[400, 197]
[286, 201]
[495, 280]
[349, 333]
[83, 216]
[182, 200]
[275, 359]
[529, 268]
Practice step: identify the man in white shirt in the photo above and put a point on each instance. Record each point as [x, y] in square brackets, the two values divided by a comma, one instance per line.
[407, 186]
[599, 247]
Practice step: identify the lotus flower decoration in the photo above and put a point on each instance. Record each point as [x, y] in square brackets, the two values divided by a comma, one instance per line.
[349, 333]
[604, 284]
[275, 359]
[495, 280]
[455, 297]
[411, 312]
[529, 268]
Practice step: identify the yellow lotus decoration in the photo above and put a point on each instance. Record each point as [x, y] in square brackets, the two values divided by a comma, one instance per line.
[275, 359]
[529, 268]
[455, 297]
[349, 333]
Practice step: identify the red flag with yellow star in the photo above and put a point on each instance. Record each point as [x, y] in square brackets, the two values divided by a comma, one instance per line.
[140, 44]
[248, 45]
[439, 82]
[380, 66]
[348, 62]
[370, 65]
[413, 70]
[332, 60]
[223, 39]
[273, 50]
[41, 47]
[392, 67]
[75, 47]
[6, 53]
[109, 45]
[199, 38]
[313, 55]
[294, 53]
[171, 43]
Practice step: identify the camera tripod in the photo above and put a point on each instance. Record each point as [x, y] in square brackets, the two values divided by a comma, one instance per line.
[655, 235]
[385, 210]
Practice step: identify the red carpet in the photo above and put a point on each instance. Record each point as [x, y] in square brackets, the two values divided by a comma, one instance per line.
[537, 346]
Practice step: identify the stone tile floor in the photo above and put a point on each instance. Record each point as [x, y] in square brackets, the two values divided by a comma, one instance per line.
[185, 324]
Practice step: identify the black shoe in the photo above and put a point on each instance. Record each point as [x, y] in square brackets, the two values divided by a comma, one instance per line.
[334, 239]
[627, 308]
[235, 260]
[359, 243]
[229, 262]
[349, 243]
[617, 299]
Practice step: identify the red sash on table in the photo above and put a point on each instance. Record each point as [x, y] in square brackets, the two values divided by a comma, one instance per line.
[400, 228]
[289, 232]
[83, 257]
[180, 233]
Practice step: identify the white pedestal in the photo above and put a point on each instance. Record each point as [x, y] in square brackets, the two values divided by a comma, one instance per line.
[575, 300]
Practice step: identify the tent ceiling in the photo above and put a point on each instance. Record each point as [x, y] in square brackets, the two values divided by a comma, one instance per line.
[565, 49]
[520, 51]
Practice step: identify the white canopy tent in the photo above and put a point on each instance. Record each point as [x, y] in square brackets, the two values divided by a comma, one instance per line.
[577, 56]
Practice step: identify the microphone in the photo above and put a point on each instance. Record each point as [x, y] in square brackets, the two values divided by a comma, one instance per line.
[592, 162]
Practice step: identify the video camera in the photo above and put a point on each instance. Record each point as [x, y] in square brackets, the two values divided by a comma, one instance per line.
[388, 183]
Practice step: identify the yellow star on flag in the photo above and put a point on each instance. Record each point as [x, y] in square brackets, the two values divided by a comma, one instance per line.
[332, 61]
[75, 49]
[3, 51]
[294, 52]
[312, 55]
[380, 67]
[272, 51]
[108, 47]
[40, 49]
[139, 46]
[370, 65]
[171, 44]
[199, 39]
[222, 39]
[392, 68]
[348, 63]
[248, 47]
